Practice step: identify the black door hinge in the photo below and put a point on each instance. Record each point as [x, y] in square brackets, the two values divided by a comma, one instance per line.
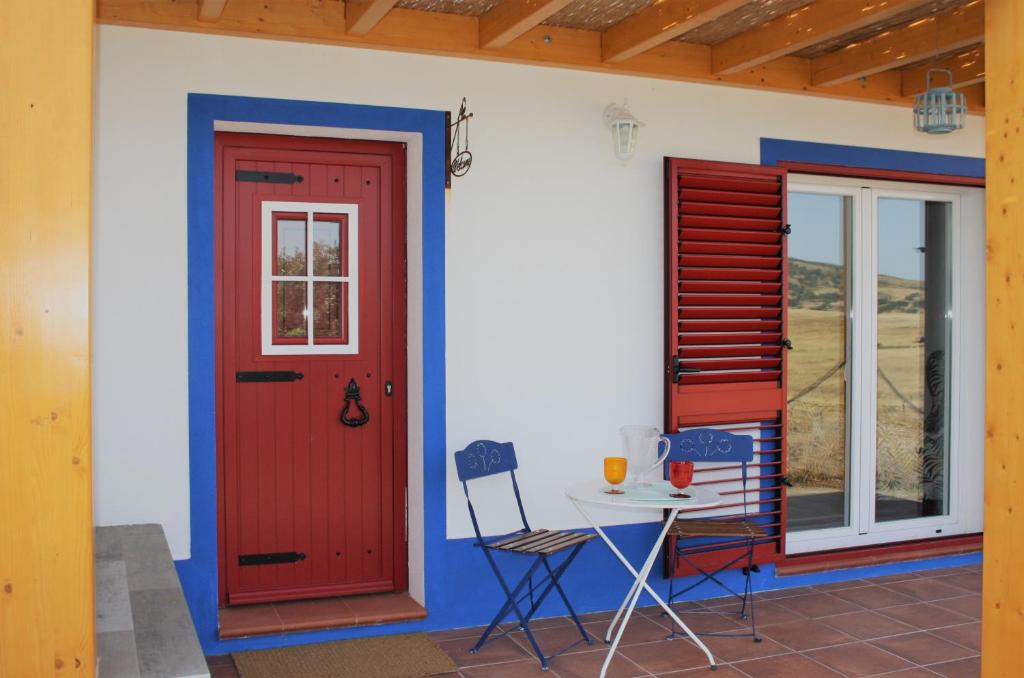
[270, 375]
[268, 177]
[787, 229]
[270, 558]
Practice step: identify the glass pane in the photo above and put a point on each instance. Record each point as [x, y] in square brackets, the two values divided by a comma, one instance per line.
[289, 311]
[327, 250]
[819, 280]
[291, 247]
[330, 312]
[913, 358]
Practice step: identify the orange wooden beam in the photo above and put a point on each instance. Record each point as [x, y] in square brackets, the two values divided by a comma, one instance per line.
[361, 17]
[511, 18]
[968, 69]
[210, 10]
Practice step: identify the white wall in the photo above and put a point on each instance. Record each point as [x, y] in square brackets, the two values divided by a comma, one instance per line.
[554, 274]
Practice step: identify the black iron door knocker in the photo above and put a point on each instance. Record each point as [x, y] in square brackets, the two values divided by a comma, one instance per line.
[352, 396]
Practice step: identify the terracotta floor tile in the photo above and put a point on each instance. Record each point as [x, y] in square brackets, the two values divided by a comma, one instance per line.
[640, 629]
[961, 668]
[926, 589]
[667, 655]
[768, 612]
[969, 606]
[785, 666]
[223, 671]
[722, 671]
[706, 622]
[588, 665]
[516, 669]
[248, 620]
[911, 673]
[902, 576]
[942, 571]
[378, 609]
[866, 625]
[923, 648]
[819, 605]
[874, 597]
[556, 638]
[219, 660]
[924, 615]
[970, 581]
[806, 634]
[784, 593]
[499, 650]
[316, 614]
[840, 585]
[859, 659]
[596, 616]
[968, 635]
[737, 649]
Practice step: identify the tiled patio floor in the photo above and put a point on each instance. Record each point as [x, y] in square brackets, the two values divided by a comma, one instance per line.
[903, 626]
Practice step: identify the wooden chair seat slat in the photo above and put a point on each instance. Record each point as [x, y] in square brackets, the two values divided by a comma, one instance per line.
[552, 537]
[571, 539]
[528, 539]
[516, 538]
[715, 528]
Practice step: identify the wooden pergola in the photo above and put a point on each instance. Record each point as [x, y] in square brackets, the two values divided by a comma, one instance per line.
[870, 50]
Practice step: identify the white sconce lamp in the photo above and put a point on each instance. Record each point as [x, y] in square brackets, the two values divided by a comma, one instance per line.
[625, 128]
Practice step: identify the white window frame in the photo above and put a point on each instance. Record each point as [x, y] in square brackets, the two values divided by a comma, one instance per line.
[965, 426]
[267, 278]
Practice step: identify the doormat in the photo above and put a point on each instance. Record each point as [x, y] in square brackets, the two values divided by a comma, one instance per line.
[407, 656]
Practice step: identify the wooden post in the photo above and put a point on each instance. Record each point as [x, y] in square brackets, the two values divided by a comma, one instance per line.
[46, 555]
[1003, 588]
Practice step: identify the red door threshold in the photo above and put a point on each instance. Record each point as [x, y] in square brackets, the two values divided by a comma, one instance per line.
[324, 613]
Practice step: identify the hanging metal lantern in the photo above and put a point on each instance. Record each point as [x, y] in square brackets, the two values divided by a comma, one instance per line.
[940, 110]
[625, 129]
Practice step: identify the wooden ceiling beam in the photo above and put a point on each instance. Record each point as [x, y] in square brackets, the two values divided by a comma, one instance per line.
[509, 19]
[659, 23]
[922, 39]
[210, 10]
[438, 33]
[804, 27]
[968, 69]
[361, 17]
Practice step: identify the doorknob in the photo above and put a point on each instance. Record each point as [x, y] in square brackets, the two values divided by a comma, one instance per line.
[352, 396]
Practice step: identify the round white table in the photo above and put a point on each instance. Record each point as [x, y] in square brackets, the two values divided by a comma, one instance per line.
[655, 497]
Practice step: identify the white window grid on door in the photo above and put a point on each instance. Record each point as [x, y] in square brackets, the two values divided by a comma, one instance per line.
[268, 278]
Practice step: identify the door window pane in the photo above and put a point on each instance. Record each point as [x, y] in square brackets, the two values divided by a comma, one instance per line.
[290, 310]
[329, 312]
[913, 358]
[327, 249]
[819, 281]
[291, 247]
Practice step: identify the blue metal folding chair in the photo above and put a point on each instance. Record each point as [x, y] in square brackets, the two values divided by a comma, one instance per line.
[488, 458]
[721, 532]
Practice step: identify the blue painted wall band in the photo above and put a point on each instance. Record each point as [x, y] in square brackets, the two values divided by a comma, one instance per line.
[774, 151]
[460, 591]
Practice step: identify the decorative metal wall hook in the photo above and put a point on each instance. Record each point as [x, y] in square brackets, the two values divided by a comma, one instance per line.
[352, 395]
[458, 159]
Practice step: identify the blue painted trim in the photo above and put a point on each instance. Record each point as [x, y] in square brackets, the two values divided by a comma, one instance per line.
[775, 150]
[199, 574]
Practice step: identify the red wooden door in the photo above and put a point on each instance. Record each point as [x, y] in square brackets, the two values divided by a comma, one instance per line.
[311, 309]
[725, 246]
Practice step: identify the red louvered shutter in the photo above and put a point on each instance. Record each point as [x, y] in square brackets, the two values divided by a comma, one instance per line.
[726, 318]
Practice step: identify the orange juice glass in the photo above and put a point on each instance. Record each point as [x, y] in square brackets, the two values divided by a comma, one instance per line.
[614, 473]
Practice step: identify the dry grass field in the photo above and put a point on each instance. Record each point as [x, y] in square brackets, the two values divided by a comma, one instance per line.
[817, 430]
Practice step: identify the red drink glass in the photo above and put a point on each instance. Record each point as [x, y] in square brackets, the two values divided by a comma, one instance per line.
[680, 474]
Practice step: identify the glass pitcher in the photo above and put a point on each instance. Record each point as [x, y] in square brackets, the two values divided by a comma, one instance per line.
[641, 444]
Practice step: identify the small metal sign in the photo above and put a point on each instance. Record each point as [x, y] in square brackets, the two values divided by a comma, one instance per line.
[458, 157]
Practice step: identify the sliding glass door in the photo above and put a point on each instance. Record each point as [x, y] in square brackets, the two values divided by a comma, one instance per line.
[872, 377]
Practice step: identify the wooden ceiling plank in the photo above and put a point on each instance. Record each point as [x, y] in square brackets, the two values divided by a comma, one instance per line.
[444, 34]
[660, 23]
[509, 19]
[804, 27]
[210, 10]
[922, 39]
[361, 17]
[968, 69]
